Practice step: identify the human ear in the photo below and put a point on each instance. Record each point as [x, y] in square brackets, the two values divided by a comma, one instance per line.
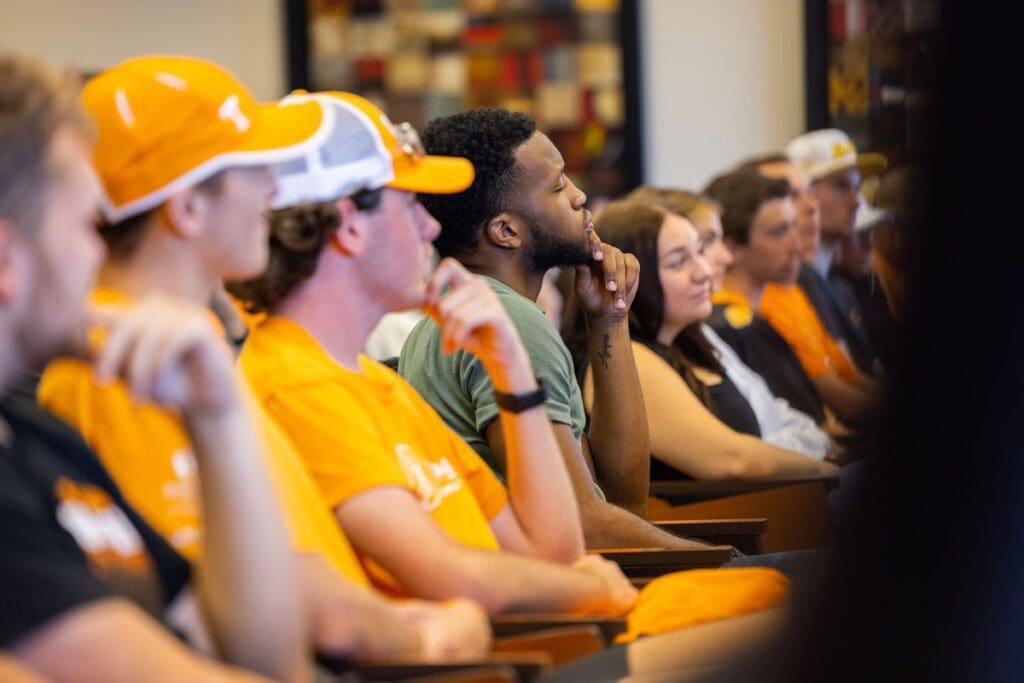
[504, 231]
[185, 212]
[350, 236]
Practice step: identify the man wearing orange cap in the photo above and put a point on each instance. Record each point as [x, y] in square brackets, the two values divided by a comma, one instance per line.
[186, 202]
[83, 578]
[350, 243]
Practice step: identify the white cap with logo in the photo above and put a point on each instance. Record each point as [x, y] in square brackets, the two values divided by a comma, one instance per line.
[829, 150]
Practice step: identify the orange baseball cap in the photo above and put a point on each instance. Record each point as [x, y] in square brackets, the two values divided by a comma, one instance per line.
[365, 151]
[168, 122]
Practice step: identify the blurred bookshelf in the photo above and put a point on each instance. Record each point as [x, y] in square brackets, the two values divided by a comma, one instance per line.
[870, 65]
[571, 64]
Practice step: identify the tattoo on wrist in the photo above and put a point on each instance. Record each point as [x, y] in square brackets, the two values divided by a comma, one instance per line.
[605, 354]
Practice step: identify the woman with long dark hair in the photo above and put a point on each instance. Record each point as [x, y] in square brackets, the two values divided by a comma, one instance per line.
[700, 425]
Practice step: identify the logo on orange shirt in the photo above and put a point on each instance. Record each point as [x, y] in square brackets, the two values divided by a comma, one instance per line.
[101, 528]
[433, 481]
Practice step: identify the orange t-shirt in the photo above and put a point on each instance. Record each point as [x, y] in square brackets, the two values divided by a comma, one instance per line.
[361, 430]
[147, 452]
[791, 313]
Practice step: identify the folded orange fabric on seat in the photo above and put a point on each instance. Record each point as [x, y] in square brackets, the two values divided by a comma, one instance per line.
[698, 596]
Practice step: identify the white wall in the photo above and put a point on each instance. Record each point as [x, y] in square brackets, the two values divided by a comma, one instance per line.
[723, 79]
[246, 36]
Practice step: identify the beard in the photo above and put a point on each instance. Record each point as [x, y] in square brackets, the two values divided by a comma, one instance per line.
[550, 251]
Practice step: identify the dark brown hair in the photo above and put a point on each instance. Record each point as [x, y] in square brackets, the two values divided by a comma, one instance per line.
[681, 202]
[633, 227]
[755, 163]
[741, 194]
[35, 103]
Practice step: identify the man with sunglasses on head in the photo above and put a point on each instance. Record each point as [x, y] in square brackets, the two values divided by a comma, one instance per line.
[350, 242]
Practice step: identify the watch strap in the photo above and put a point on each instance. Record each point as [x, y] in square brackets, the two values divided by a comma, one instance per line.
[517, 403]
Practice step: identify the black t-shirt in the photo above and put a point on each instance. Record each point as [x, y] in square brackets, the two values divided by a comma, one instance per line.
[768, 354]
[67, 537]
[882, 328]
[734, 411]
[731, 408]
[841, 317]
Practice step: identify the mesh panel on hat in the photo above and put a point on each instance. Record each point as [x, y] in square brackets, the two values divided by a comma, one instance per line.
[351, 158]
[348, 142]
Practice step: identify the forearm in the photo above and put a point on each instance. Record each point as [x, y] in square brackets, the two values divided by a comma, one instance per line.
[504, 582]
[608, 526]
[618, 435]
[851, 404]
[761, 460]
[539, 487]
[247, 575]
[349, 620]
[699, 445]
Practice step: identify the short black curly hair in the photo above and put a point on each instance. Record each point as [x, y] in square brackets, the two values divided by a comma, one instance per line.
[488, 137]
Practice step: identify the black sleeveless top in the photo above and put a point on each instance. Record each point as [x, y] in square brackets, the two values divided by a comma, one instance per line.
[729, 406]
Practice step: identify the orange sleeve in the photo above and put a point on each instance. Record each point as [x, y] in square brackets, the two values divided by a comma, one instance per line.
[337, 438]
[487, 489]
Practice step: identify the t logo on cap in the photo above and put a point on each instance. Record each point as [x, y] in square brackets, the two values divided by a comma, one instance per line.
[229, 111]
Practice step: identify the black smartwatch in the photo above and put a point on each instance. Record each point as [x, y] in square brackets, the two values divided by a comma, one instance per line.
[517, 403]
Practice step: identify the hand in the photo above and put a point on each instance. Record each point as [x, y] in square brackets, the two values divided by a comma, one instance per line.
[166, 351]
[619, 595]
[608, 286]
[471, 317]
[450, 631]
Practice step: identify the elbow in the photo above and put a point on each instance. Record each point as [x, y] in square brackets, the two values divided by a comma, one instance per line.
[598, 525]
[740, 463]
[567, 551]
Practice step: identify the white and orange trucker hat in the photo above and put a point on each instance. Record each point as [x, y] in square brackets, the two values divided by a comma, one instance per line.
[829, 150]
[168, 122]
[364, 151]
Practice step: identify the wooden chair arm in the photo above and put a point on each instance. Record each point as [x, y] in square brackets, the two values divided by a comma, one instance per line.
[678, 492]
[563, 644]
[486, 674]
[743, 534]
[504, 625]
[653, 562]
[525, 666]
[798, 514]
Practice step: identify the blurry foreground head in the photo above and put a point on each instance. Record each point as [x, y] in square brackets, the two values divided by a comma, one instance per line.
[49, 251]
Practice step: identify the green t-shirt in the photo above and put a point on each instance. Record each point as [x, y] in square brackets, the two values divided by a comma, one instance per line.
[458, 387]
